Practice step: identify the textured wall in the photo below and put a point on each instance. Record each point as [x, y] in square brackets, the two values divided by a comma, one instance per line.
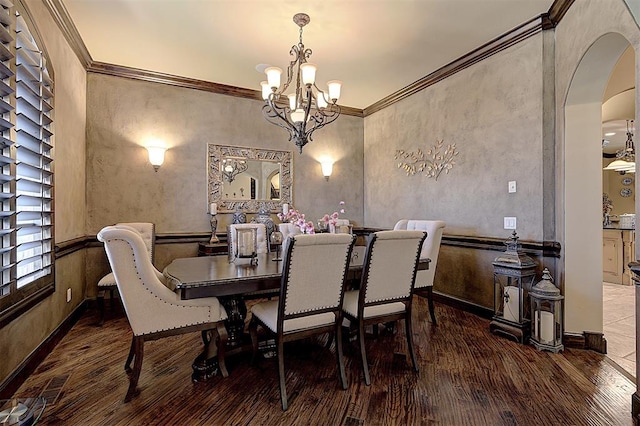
[579, 204]
[492, 112]
[19, 338]
[123, 187]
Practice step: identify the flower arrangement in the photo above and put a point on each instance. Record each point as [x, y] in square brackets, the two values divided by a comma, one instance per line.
[294, 216]
[332, 219]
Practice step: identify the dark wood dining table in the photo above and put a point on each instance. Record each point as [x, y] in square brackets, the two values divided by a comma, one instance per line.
[233, 281]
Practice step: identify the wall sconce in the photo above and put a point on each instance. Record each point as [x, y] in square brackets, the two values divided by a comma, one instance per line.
[327, 168]
[156, 156]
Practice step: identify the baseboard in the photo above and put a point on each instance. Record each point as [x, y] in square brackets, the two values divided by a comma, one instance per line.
[635, 406]
[29, 365]
[587, 340]
[463, 305]
[595, 341]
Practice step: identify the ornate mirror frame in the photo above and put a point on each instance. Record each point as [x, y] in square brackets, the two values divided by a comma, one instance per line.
[215, 155]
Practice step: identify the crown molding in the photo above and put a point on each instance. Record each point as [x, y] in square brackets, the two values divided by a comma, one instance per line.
[516, 35]
[189, 83]
[558, 9]
[63, 20]
[522, 32]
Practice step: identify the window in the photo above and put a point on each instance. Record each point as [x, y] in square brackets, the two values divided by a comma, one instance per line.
[26, 172]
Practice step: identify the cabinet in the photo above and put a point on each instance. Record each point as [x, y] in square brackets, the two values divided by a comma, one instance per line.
[618, 249]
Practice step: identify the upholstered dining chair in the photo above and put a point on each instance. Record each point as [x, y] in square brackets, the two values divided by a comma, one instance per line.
[386, 288]
[262, 242]
[311, 293]
[430, 250]
[287, 230]
[153, 310]
[108, 283]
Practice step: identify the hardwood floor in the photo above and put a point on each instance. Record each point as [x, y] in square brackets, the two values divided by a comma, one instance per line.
[467, 377]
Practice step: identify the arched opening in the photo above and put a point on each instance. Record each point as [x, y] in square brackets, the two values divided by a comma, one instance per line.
[583, 185]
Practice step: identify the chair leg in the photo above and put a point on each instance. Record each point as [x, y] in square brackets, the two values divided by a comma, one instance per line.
[101, 307]
[338, 339]
[127, 364]
[111, 299]
[283, 389]
[206, 338]
[138, 343]
[409, 332]
[253, 332]
[222, 347]
[430, 302]
[363, 352]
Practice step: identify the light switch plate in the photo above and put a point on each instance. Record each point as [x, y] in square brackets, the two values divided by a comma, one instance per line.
[512, 186]
[509, 223]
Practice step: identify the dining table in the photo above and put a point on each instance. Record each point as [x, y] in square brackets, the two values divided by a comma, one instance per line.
[234, 280]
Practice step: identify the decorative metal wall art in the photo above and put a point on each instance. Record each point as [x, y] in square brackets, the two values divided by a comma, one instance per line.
[433, 163]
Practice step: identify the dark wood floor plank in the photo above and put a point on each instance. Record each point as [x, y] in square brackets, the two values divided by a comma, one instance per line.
[467, 377]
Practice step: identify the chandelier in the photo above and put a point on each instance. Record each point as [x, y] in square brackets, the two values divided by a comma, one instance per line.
[625, 158]
[306, 108]
[232, 168]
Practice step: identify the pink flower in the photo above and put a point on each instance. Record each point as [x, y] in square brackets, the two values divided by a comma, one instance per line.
[334, 215]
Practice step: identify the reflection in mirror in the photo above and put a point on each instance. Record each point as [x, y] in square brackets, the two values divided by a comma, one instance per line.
[250, 180]
[248, 177]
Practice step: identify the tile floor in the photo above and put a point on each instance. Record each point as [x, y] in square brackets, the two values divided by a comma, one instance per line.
[619, 323]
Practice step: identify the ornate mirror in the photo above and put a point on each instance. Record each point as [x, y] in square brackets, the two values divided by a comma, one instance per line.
[248, 178]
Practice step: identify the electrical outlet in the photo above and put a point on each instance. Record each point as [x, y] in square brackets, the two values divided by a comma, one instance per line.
[509, 223]
[512, 186]
[68, 295]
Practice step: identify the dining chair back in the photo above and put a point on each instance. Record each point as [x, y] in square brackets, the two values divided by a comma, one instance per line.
[152, 309]
[262, 242]
[288, 230]
[147, 232]
[430, 250]
[385, 294]
[311, 295]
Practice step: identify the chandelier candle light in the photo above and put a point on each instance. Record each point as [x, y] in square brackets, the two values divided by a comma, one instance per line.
[306, 108]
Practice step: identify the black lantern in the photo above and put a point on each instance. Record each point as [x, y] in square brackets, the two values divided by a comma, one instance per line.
[546, 314]
[513, 276]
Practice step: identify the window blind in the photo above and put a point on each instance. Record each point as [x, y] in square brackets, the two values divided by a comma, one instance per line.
[26, 172]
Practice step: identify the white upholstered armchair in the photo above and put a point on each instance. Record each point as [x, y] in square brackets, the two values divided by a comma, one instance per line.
[108, 283]
[152, 309]
[430, 250]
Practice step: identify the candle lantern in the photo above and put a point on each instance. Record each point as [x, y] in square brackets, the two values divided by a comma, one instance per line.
[245, 247]
[513, 276]
[546, 313]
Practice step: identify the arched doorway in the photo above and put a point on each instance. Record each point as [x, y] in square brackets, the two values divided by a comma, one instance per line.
[583, 185]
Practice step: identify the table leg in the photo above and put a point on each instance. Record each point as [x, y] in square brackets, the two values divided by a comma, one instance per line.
[236, 314]
[205, 366]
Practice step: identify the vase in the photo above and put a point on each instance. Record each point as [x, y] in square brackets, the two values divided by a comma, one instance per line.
[264, 217]
[239, 216]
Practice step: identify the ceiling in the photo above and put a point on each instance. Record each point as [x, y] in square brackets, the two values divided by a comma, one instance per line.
[375, 47]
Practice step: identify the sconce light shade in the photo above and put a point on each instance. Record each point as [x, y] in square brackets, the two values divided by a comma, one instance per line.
[156, 156]
[327, 168]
